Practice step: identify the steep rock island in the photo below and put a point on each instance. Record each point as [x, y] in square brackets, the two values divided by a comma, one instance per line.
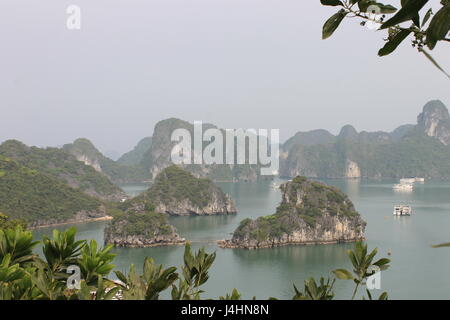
[309, 213]
[146, 229]
[179, 193]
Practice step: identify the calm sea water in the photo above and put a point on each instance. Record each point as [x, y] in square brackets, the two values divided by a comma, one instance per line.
[417, 270]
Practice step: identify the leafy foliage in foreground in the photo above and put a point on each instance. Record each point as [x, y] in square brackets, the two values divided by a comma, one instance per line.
[24, 275]
[426, 27]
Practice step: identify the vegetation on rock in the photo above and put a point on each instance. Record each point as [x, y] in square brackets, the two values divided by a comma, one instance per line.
[85, 151]
[39, 199]
[62, 166]
[137, 155]
[422, 150]
[310, 212]
[140, 229]
[177, 191]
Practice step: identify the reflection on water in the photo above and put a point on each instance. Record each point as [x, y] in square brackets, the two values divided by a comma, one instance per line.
[417, 270]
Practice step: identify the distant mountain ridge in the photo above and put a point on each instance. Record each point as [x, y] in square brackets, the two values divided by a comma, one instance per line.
[85, 151]
[64, 167]
[410, 150]
[136, 156]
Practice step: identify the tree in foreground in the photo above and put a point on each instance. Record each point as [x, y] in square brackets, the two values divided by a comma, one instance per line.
[413, 20]
[25, 275]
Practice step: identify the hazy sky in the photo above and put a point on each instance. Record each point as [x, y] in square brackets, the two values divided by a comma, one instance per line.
[234, 63]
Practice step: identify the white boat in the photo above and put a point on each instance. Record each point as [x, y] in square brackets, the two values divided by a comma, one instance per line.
[407, 180]
[420, 179]
[403, 187]
[402, 210]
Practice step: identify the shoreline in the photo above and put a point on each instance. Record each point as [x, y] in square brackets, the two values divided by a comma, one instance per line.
[105, 218]
[228, 244]
[160, 244]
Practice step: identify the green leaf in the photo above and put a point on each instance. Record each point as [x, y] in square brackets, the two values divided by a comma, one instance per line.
[427, 16]
[439, 27]
[364, 4]
[121, 277]
[382, 262]
[343, 274]
[386, 8]
[333, 23]
[331, 3]
[369, 294]
[383, 296]
[409, 11]
[392, 44]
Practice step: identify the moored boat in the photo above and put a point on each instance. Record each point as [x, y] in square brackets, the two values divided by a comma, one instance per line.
[402, 210]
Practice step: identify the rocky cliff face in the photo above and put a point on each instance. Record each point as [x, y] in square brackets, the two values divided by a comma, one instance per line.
[310, 213]
[352, 170]
[85, 151]
[218, 204]
[178, 192]
[92, 162]
[158, 156]
[435, 121]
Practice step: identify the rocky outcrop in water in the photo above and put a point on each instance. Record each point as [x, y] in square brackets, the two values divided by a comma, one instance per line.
[309, 213]
[178, 192]
[146, 229]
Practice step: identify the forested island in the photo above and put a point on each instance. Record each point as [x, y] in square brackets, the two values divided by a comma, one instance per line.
[142, 221]
[310, 213]
[178, 192]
